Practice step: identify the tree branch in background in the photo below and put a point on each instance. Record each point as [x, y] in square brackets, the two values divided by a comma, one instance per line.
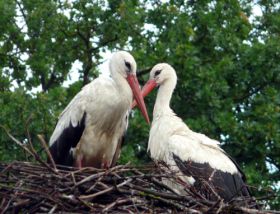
[104, 43]
[88, 63]
[83, 37]
[22, 12]
[251, 92]
[43, 82]
[255, 89]
[51, 81]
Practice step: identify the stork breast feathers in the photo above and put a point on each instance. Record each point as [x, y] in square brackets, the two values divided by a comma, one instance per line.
[87, 100]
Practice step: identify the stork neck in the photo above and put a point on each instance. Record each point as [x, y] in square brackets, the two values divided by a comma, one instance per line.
[123, 87]
[164, 95]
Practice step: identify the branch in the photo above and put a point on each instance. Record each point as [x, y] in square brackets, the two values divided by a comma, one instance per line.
[83, 37]
[270, 160]
[104, 43]
[30, 150]
[258, 88]
[50, 82]
[105, 191]
[44, 144]
[22, 12]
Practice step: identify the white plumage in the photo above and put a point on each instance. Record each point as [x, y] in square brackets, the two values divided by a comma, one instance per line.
[90, 129]
[170, 135]
[189, 153]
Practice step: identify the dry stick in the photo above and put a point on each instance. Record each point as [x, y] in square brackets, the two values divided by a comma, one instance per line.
[38, 193]
[105, 191]
[166, 201]
[213, 190]
[53, 209]
[35, 170]
[195, 193]
[16, 141]
[188, 198]
[2, 202]
[149, 176]
[156, 181]
[160, 194]
[73, 178]
[89, 178]
[170, 196]
[118, 202]
[103, 185]
[221, 206]
[117, 175]
[135, 207]
[126, 210]
[219, 202]
[82, 170]
[95, 183]
[32, 152]
[21, 203]
[35, 154]
[7, 167]
[6, 207]
[189, 210]
[44, 144]
[85, 203]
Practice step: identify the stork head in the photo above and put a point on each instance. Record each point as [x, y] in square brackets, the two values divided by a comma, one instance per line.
[160, 74]
[123, 64]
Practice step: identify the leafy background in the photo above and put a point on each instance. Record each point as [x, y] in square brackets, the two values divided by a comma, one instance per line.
[226, 57]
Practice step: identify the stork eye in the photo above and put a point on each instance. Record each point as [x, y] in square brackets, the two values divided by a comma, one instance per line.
[157, 72]
[128, 65]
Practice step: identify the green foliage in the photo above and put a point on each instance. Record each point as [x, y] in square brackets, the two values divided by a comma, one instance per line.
[227, 65]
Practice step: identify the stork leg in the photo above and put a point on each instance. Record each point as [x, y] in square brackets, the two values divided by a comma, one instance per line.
[105, 165]
[79, 160]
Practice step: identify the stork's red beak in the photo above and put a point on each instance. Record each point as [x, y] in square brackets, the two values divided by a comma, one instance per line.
[134, 85]
[147, 88]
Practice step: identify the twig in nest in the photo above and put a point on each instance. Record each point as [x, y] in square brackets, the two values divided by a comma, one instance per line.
[44, 144]
[117, 202]
[30, 150]
[104, 191]
[92, 177]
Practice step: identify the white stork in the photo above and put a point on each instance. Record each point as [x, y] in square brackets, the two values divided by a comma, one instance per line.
[193, 155]
[90, 130]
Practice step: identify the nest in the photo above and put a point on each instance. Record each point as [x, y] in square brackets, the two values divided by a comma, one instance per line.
[28, 187]
[31, 188]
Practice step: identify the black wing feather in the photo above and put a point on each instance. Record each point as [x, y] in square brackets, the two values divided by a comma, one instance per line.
[246, 190]
[225, 184]
[69, 138]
